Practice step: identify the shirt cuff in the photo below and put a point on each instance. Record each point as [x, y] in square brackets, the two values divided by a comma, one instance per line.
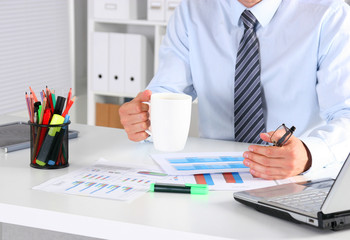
[321, 156]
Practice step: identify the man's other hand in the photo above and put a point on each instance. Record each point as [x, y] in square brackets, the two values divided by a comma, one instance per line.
[271, 162]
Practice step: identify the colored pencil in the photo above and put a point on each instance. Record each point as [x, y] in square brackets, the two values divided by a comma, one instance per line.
[69, 105]
[28, 105]
[69, 96]
[34, 96]
[31, 101]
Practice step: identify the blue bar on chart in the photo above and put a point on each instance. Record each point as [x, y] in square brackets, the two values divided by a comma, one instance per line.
[75, 184]
[208, 167]
[88, 185]
[99, 187]
[204, 159]
[112, 188]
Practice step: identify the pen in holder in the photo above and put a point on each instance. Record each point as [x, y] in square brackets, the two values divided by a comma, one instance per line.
[49, 144]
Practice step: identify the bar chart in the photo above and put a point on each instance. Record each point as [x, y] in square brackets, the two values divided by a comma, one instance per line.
[201, 163]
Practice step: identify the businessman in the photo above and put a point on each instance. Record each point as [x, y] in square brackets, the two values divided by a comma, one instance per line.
[252, 65]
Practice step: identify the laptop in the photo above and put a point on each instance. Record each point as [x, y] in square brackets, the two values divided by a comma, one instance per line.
[323, 203]
[16, 136]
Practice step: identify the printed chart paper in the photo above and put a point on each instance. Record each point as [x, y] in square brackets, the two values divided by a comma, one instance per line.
[104, 180]
[233, 181]
[199, 163]
[126, 182]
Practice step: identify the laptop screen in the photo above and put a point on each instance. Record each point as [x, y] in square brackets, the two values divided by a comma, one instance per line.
[338, 198]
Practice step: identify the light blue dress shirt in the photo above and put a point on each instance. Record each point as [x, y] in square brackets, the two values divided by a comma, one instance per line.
[305, 68]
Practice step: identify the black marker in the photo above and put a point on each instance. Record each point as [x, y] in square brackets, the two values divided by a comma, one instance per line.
[180, 188]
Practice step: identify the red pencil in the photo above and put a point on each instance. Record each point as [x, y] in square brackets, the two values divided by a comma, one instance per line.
[69, 96]
[46, 121]
[69, 105]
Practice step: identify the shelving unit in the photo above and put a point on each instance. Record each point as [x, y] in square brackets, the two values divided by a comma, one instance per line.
[152, 30]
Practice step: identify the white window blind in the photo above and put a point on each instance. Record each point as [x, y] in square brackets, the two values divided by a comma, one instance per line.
[35, 49]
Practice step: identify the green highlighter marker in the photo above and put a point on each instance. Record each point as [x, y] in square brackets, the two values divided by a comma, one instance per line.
[180, 188]
[47, 144]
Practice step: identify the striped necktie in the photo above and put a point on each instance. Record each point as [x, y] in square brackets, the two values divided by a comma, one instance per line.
[249, 115]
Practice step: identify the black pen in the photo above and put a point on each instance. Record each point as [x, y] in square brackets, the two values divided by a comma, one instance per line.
[179, 188]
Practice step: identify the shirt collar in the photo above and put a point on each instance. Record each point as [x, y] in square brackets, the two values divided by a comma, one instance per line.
[263, 11]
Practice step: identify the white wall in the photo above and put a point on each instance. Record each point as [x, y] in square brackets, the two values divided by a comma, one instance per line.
[36, 49]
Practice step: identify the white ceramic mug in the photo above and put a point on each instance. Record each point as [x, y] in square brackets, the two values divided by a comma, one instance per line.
[170, 116]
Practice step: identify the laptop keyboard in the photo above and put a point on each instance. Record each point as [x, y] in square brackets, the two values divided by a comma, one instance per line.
[308, 201]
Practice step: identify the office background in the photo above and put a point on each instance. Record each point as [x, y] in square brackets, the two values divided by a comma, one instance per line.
[46, 42]
[56, 48]
[50, 43]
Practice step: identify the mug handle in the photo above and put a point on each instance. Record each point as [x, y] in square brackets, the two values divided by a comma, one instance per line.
[148, 131]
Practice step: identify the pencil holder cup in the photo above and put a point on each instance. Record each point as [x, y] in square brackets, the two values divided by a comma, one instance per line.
[49, 145]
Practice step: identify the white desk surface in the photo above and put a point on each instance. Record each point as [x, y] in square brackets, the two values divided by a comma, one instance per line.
[152, 216]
